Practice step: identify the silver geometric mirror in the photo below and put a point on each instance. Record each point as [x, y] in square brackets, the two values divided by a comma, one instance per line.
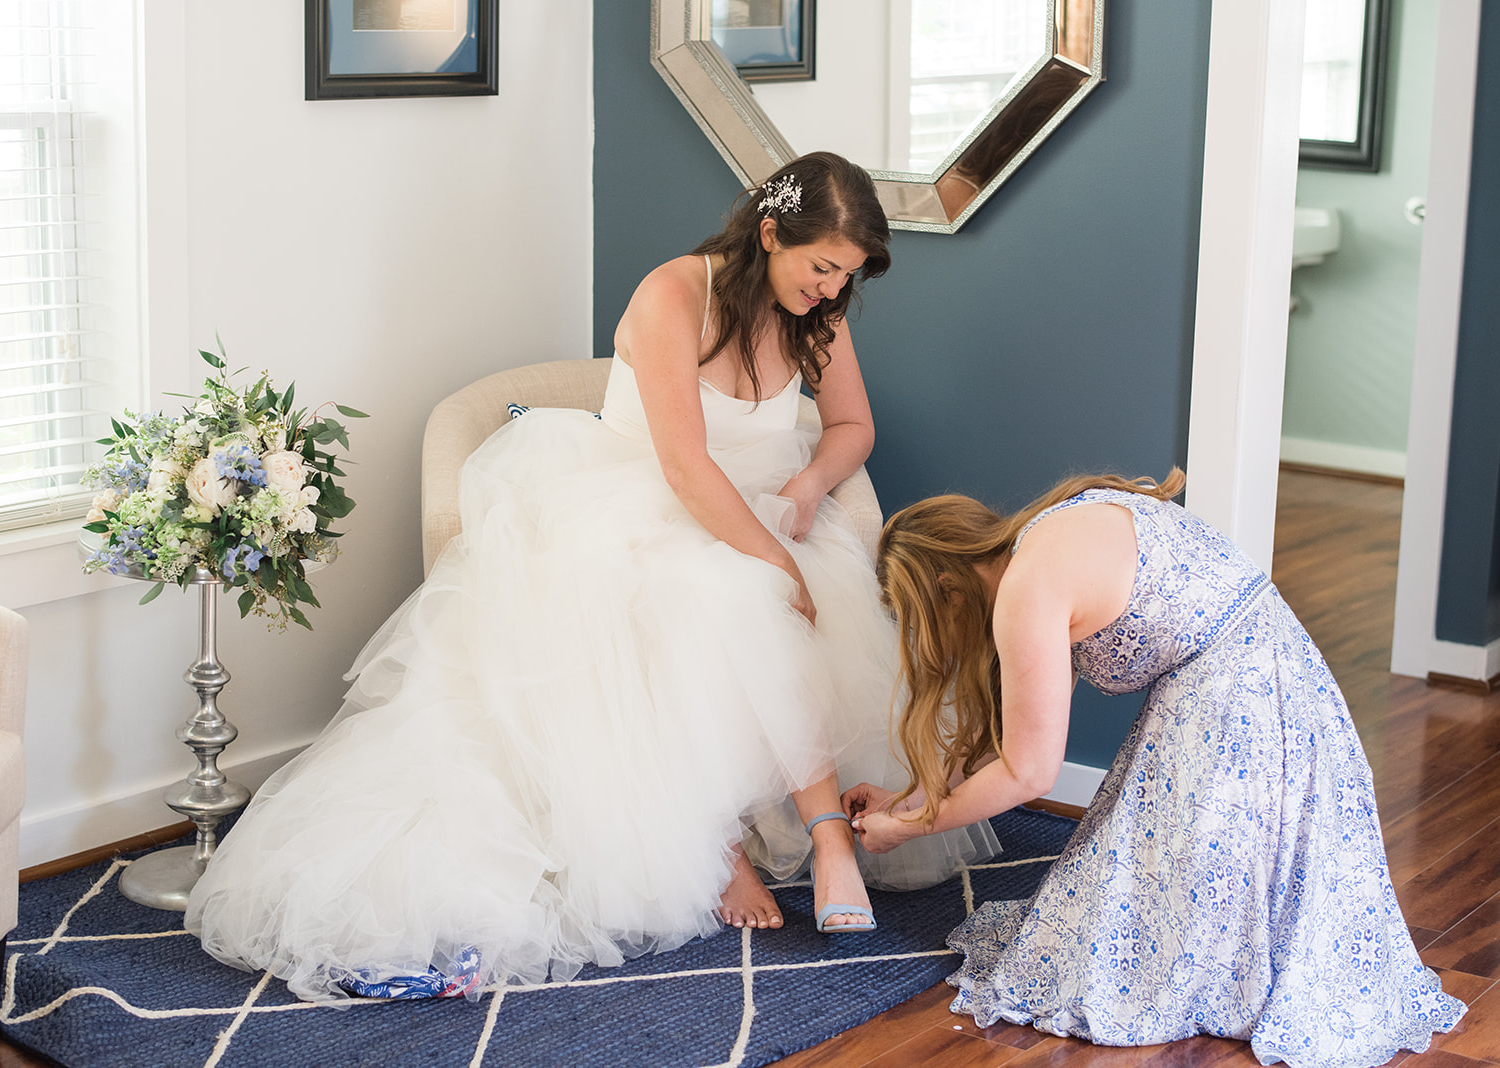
[940, 100]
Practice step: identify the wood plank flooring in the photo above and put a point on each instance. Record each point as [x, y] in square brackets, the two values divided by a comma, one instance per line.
[1435, 754]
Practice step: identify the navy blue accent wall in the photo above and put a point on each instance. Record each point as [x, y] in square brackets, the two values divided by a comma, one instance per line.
[1469, 583]
[1052, 335]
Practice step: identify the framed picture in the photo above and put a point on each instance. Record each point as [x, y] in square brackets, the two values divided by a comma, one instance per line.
[1343, 83]
[385, 48]
[766, 40]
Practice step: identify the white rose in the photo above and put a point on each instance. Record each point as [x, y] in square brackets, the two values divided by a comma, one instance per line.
[284, 472]
[304, 522]
[206, 489]
[308, 497]
[164, 473]
[108, 500]
[273, 434]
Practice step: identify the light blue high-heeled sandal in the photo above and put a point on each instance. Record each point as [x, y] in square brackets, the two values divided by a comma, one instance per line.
[837, 909]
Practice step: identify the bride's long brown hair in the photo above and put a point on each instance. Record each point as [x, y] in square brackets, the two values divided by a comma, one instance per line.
[836, 199]
[949, 664]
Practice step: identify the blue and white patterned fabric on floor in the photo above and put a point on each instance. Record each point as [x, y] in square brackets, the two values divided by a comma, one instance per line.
[1230, 876]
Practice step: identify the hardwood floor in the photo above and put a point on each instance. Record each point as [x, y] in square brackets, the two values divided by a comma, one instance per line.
[1435, 754]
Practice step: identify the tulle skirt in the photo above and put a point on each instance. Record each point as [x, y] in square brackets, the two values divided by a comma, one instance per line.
[549, 750]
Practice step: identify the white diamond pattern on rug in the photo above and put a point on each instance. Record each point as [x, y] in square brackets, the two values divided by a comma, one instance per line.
[724, 1002]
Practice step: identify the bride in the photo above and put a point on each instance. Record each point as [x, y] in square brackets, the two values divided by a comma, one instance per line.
[635, 676]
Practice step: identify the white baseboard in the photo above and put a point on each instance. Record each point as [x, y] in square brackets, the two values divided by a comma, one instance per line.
[49, 836]
[1338, 457]
[1478, 662]
[1076, 784]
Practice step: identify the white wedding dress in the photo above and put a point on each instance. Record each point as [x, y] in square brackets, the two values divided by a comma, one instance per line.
[549, 749]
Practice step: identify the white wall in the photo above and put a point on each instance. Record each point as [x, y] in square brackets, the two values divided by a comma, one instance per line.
[380, 253]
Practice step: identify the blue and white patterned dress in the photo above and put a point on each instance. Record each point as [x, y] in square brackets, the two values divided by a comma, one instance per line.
[1229, 877]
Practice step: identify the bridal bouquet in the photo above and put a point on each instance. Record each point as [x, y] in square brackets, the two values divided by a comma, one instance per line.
[240, 484]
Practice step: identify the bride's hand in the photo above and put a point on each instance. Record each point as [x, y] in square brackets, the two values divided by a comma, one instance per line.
[801, 600]
[807, 498]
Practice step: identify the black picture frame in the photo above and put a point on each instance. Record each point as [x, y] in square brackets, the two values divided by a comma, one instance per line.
[759, 56]
[1363, 153]
[326, 33]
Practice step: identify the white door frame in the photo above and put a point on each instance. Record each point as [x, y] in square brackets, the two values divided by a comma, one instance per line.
[1244, 272]
[1245, 267]
[1415, 649]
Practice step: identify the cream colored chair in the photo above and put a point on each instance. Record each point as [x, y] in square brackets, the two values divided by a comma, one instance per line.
[461, 422]
[13, 648]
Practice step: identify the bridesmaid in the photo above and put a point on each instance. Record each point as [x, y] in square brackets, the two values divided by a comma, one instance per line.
[1229, 877]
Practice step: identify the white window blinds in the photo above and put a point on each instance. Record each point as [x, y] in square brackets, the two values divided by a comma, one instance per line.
[50, 390]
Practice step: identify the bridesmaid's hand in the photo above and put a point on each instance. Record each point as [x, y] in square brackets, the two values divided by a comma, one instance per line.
[806, 497]
[865, 797]
[880, 832]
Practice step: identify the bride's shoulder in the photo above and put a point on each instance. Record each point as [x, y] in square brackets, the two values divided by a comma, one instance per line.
[675, 288]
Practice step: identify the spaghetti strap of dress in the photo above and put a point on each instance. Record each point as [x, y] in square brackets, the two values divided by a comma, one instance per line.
[708, 296]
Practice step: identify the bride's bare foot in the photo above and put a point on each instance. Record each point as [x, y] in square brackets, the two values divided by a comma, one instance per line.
[746, 901]
[837, 877]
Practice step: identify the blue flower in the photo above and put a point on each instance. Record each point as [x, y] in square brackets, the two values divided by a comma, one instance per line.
[128, 476]
[253, 555]
[239, 463]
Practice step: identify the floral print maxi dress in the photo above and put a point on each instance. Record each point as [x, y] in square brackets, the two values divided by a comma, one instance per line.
[1229, 877]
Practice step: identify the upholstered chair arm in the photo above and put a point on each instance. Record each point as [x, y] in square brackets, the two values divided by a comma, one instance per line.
[14, 644]
[461, 423]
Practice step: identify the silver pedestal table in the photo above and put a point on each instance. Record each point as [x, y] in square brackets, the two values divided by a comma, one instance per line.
[164, 878]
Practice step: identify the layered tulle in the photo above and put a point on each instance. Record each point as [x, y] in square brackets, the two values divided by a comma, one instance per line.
[549, 750]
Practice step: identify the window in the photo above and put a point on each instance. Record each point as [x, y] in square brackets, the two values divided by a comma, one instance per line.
[53, 392]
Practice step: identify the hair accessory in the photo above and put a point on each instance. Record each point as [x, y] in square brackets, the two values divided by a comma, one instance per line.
[783, 194]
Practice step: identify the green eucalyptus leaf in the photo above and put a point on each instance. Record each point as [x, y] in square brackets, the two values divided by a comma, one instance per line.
[246, 602]
[151, 593]
[353, 413]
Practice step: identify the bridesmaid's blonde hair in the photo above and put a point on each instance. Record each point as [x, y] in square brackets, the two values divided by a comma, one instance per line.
[951, 670]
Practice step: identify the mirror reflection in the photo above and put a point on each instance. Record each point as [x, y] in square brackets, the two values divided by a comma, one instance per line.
[941, 100]
[906, 81]
[1343, 83]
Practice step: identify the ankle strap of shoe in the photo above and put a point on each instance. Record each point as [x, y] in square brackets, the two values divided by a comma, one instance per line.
[825, 816]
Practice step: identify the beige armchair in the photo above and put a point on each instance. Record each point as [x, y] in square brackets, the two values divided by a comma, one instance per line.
[461, 422]
[13, 649]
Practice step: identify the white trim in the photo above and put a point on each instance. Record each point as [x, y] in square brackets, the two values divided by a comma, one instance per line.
[1415, 649]
[39, 564]
[1477, 662]
[1076, 784]
[1340, 457]
[1244, 267]
[49, 836]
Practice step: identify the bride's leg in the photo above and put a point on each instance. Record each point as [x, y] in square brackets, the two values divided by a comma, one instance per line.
[746, 902]
[837, 872]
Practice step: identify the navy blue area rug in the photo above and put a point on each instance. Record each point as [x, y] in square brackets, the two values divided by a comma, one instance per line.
[93, 980]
